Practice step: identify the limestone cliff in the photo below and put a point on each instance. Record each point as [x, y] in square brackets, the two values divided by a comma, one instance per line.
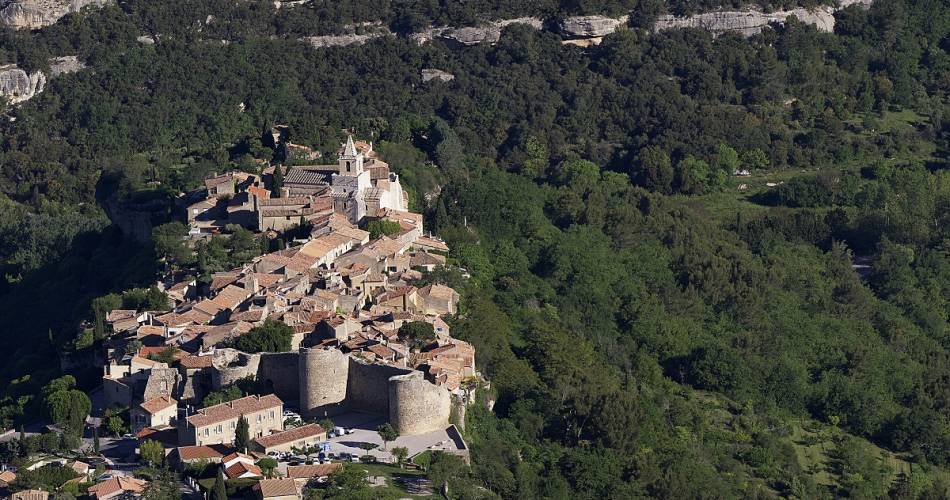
[34, 14]
[590, 26]
[750, 22]
[17, 86]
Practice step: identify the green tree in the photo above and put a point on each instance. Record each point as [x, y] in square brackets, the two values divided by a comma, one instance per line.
[400, 453]
[152, 452]
[268, 466]
[382, 227]
[242, 437]
[116, 425]
[170, 244]
[272, 336]
[219, 491]
[417, 334]
[387, 433]
[653, 170]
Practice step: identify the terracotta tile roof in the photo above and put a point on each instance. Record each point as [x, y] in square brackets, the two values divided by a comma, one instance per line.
[217, 181]
[146, 330]
[270, 488]
[311, 471]
[291, 435]
[396, 293]
[7, 476]
[197, 362]
[208, 307]
[30, 495]
[237, 455]
[120, 314]
[438, 291]
[251, 315]
[186, 453]
[425, 241]
[381, 351]
[284, 202]
[233, 409]
[117, 484]
[158, 404]
[222, 280]
[230, 297]
[259, 192]
[241, 468]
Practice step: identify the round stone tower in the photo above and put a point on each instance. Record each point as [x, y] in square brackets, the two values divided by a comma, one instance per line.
[323, 374]
[416, 405]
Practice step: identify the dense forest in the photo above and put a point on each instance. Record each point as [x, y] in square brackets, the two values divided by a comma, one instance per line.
[652, 325]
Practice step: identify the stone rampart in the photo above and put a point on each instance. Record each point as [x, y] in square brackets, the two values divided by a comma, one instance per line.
[323, 376]
[279, 372]
[417, 406]
[368, 386]
[232, 365]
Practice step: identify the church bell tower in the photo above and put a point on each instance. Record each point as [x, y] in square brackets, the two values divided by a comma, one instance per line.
[351, 160]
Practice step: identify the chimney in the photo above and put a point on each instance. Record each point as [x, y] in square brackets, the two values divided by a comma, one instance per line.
[285, 192]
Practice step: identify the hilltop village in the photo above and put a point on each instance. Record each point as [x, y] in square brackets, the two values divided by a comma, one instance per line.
[369, 347]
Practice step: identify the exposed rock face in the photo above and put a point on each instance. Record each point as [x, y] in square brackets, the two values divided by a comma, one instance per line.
[65, 64]
[750, 22]
[436, 74]
[34, 14]
[17, 86]
[473, 35]
[342, 40]
[591, 26]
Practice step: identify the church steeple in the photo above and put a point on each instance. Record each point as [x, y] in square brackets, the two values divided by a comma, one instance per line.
[351, 160]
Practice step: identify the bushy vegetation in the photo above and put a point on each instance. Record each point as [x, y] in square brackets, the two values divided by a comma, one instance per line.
[641, 340]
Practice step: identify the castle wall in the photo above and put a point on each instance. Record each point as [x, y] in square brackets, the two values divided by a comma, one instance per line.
[323, 376]
[416, 405]
[231, 365]
[279, 372]
[368, 386]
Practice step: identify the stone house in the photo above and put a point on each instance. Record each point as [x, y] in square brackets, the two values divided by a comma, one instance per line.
[438, 299]
[156, 412]
[299, 437]
[217, 424]
[240, 466]
[401, 299]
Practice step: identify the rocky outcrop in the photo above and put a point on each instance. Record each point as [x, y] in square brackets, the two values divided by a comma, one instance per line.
[343, 40]
[436, 74]
[590, 26]
[65, 64]
[473, 35]
[35, 14]
[750, 22]
[17, 86]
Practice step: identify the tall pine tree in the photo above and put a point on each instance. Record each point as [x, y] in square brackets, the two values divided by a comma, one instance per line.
[219, 492]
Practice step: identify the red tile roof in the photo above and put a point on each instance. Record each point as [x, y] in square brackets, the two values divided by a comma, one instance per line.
[187, 453]
[270, 488]
[111, 487]
[158, 404]
[233, 409]
[291, 435]
[241, 468]
[311, 471]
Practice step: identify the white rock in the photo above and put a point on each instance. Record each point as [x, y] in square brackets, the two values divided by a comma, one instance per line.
[35, 14]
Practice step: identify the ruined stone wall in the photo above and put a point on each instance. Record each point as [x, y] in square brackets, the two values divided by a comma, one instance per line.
[368, 386]
[231, 365]
[162, 382]
[323, 375]
[278, 371]
[416, 405]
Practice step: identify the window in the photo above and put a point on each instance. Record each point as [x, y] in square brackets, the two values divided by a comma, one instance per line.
[233, 424]
[206, 432]
[258, 418]
[272, 414]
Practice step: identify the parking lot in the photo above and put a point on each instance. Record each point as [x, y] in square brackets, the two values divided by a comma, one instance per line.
[363, 426]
